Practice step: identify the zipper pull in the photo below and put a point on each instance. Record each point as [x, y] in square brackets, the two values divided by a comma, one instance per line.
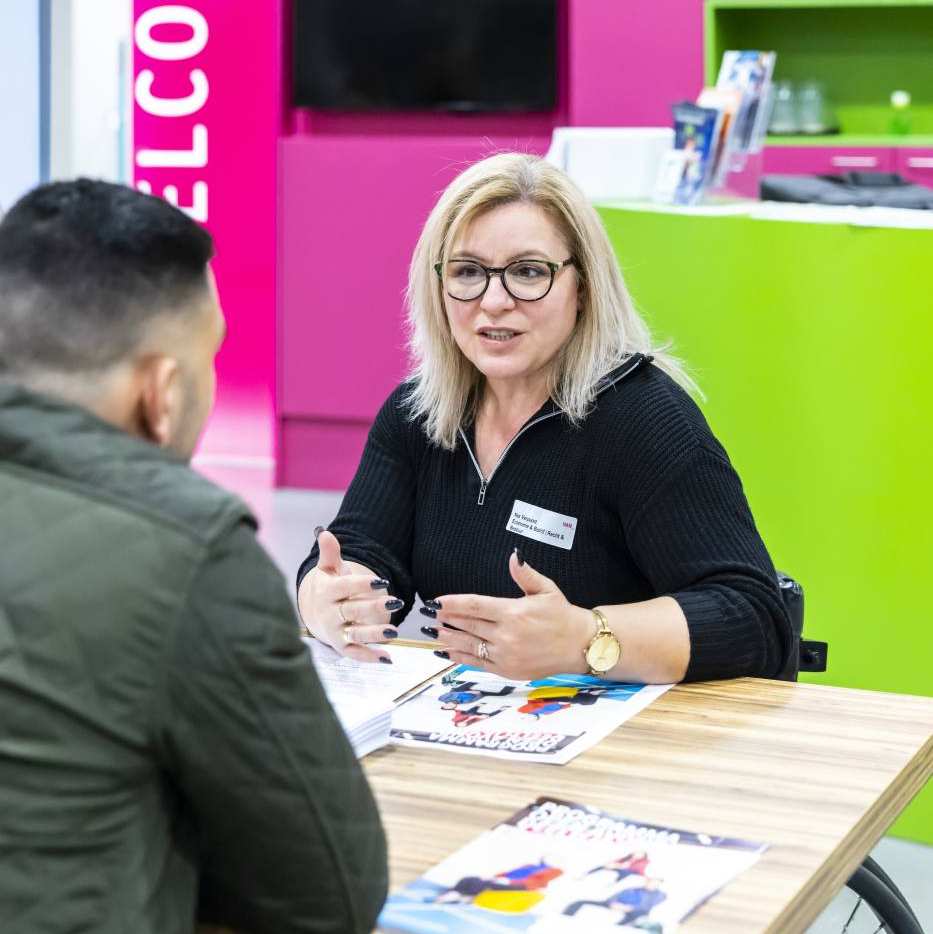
[482, 491]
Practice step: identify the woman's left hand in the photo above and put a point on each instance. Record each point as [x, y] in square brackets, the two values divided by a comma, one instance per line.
[533, 636]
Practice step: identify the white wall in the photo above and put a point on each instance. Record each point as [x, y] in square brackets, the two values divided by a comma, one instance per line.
[19, 99]
[91, 95]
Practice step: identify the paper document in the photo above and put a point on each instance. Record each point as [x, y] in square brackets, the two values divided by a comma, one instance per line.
[557, 867]
[364, 695]
[549, 720]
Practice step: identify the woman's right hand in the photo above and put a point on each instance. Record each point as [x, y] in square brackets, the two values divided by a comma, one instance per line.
[345, 604]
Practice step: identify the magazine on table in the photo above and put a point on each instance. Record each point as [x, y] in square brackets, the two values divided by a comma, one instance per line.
[546, 720]
[556, 866]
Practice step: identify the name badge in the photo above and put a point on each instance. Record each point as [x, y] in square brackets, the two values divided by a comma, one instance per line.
[542, 525]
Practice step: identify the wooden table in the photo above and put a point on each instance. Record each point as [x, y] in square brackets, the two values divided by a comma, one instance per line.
[818, 772]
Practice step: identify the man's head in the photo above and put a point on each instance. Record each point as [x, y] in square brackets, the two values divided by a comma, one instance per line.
[107, 301]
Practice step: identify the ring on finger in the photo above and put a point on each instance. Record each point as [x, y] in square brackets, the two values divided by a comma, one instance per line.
[347, 635]
[346, 621]
[482, 650]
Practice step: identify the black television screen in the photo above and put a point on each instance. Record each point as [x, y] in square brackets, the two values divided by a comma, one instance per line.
[458, 55]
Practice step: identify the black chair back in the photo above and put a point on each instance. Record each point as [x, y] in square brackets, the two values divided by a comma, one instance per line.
[806, 655]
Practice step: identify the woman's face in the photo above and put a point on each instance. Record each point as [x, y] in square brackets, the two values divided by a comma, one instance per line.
[507, 338]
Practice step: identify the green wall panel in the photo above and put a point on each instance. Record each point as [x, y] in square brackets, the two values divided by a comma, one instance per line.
[813, 344]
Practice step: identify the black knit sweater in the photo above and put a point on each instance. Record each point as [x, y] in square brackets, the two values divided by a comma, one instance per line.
[659, 510]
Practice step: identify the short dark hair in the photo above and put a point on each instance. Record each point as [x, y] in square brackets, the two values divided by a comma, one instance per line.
[84, 266]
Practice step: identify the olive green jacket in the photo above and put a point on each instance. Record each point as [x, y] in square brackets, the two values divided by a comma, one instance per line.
[166, 751]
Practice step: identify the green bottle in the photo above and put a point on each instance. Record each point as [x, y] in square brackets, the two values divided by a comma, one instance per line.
[900, 113]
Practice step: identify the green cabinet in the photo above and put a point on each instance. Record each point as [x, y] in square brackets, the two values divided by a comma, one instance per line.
[813, 344]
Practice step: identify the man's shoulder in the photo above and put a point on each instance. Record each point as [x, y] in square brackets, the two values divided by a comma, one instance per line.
[175, 493]
[57, 447]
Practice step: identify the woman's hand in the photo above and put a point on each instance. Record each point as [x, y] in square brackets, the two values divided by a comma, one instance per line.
[527, 637]
[345, 604]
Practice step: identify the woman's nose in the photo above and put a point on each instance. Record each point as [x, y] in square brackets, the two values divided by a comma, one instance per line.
[495, 298]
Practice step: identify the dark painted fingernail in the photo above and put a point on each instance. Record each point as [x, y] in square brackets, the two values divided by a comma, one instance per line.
[385, 659]
[519, 555]
[442, 654]
[433, 604]
[429, 631]
[390, 633]
[379, 584]
[317, 531]
[394, 604]
[426, 611]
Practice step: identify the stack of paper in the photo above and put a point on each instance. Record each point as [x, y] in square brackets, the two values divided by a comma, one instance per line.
[366, 723]
[365, 695]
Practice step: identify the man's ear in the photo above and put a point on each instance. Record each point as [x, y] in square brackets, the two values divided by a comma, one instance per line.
[159, 400]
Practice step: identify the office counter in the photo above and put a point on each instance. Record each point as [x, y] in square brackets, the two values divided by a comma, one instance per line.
[813, 342]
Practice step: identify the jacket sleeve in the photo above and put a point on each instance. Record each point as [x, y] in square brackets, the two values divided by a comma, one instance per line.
[288, 835]
[695, 540]
[375, 523]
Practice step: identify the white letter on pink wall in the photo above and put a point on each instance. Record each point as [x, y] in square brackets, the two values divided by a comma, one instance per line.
[171, 15]
[193, 158]
[171, 106]
[197, 210]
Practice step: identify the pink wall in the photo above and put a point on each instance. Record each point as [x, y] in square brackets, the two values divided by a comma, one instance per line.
[342, 187]
[351, 209]
[631, 59]
[352, 187]
[228, 183]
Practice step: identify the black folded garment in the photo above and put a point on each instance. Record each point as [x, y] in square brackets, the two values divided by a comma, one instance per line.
[863, 189]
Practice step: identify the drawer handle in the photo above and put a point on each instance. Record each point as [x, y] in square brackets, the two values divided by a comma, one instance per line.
[855, 162]
[920, 162]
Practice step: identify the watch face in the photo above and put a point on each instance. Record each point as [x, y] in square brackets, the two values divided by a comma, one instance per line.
[604, 652]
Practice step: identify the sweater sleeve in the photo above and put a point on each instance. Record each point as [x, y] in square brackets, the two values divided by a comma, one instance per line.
[375, 523]
[288, 837]
[695, 540]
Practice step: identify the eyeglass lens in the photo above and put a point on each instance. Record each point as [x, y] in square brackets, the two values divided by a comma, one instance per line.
[523, 279]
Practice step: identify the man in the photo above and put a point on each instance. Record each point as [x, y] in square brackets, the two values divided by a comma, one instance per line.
[632, 903]
[166, 751]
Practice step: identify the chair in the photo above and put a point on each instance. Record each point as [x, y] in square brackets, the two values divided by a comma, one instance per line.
[869, 882]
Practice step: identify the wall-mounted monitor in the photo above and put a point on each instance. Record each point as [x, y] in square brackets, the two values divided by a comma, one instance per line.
[441, 55]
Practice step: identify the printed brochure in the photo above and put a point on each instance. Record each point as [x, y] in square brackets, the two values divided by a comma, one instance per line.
[558, 868]
[549, 720]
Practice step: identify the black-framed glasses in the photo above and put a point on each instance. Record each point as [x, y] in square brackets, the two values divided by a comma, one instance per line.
[526, 280]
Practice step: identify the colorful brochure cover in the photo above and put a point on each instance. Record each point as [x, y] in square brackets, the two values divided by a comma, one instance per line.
[549, 720]
[696, 133]
[727, 101]
[749, 71]
[559, 867]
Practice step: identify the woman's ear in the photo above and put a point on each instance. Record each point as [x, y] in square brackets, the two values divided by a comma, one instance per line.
[159, 400]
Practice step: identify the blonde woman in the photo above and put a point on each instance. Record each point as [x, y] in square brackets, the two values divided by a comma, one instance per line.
[543, 480]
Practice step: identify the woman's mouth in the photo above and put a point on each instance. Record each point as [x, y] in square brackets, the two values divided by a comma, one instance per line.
[499, 335]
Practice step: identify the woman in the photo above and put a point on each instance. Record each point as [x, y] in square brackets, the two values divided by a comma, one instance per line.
[543, 480]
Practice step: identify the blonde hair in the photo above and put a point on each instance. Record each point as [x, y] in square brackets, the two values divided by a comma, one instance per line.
[446, 387]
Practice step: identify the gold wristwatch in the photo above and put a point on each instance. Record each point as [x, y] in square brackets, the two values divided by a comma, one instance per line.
[605, 650]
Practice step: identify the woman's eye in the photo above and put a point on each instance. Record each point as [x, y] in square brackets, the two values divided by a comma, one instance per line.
[466, 272]
[529, 271]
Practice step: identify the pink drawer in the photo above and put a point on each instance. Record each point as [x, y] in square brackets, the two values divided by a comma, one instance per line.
[826, 160]
[916, 165]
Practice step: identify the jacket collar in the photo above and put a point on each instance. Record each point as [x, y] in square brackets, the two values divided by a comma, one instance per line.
[632, 363]
[71, 445]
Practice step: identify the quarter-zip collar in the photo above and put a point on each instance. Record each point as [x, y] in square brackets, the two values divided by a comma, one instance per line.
[548, 410]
